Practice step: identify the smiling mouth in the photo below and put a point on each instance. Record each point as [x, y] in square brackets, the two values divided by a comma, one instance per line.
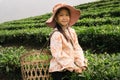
[64, 21]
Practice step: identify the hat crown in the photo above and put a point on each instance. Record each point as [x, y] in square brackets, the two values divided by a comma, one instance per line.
[56, 7]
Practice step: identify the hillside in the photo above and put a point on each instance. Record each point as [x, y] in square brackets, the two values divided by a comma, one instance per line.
[98, 31]
[97, 28]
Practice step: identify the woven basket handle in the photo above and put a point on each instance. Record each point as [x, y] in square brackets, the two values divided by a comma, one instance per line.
[47, 42]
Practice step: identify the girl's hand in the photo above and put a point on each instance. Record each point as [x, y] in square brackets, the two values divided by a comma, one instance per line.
[70, 69]
[78, 70]
[84, 68]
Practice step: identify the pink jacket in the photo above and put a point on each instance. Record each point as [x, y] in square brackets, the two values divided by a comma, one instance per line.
[63, 53]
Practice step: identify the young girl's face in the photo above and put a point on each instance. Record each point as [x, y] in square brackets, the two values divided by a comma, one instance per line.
[63, 17]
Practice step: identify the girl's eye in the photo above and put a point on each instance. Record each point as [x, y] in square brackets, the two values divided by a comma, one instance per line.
[67, 14]
[61, 15]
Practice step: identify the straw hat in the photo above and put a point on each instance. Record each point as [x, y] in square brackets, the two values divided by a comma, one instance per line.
[75, 14]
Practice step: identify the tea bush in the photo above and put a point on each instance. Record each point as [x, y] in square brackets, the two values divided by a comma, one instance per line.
[10, 62]
[100, 66]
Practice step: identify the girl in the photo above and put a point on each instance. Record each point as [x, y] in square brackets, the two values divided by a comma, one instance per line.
[67, 55]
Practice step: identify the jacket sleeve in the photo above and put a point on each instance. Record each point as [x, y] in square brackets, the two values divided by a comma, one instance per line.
[79, 56]
[56, 50]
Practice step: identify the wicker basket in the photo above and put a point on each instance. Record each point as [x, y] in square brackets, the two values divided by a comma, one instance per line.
[34, 65]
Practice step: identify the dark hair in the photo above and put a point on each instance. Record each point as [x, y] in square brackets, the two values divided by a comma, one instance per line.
[58, 11]
[58, 26]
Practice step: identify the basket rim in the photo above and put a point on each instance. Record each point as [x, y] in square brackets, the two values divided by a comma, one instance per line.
[28, 53]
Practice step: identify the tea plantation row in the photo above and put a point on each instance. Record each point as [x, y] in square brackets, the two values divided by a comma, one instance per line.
[100, 66]
[100, 39]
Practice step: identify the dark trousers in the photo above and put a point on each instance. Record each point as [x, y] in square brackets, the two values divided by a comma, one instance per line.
[60, 75]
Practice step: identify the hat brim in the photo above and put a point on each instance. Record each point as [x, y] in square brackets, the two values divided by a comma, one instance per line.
[75, 14]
